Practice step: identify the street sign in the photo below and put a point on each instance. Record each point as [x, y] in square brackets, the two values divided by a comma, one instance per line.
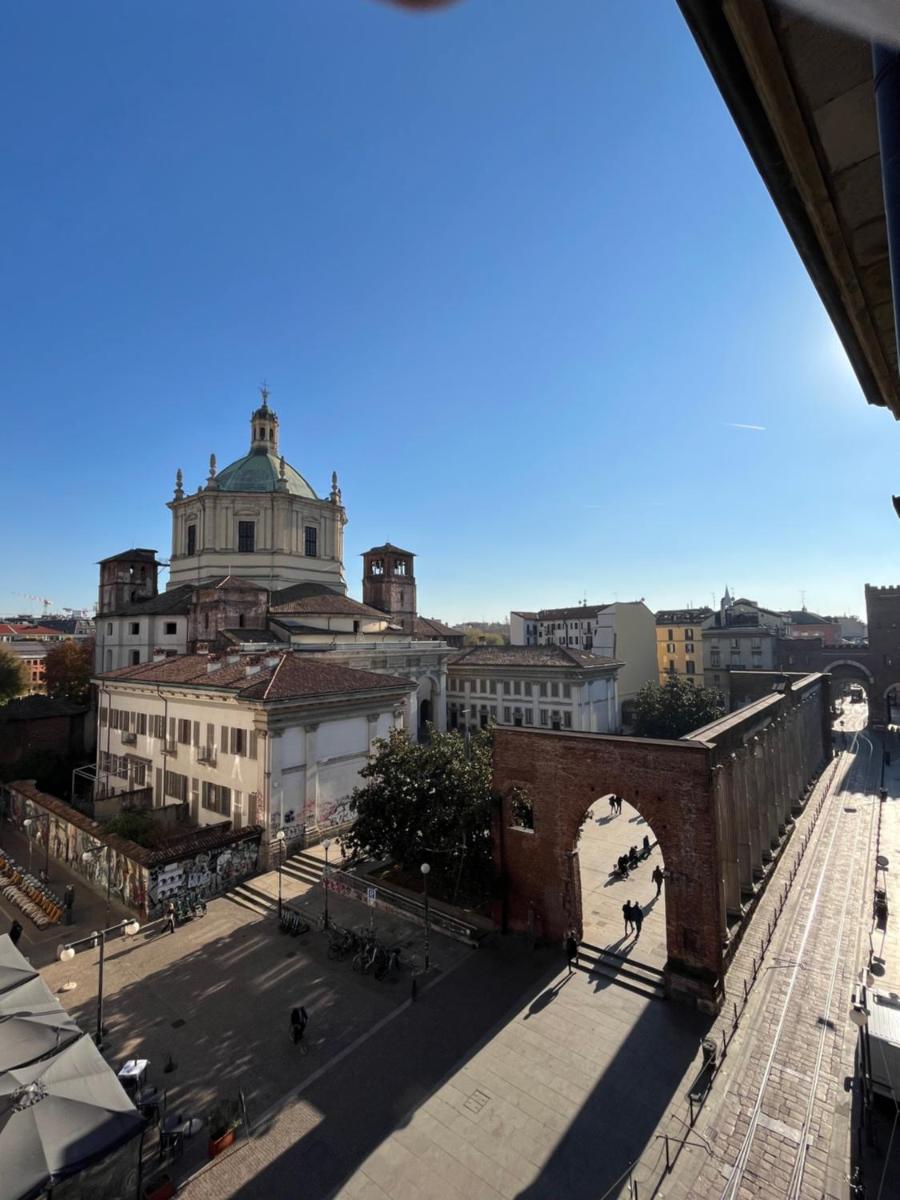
[371, 894]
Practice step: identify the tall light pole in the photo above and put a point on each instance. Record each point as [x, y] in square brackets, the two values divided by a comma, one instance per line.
[27, 825]
[426, 869]
[327, 846]
[279, 839]
[67, 953]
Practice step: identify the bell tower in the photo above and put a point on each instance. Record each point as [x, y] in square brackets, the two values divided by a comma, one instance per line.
[389, 583]
[127, 578]
[264, 427]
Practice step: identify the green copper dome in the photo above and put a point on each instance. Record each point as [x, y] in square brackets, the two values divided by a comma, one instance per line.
[260, 472]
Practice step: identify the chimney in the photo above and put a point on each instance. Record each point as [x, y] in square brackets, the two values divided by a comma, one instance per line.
[159, 654]
[213, 664]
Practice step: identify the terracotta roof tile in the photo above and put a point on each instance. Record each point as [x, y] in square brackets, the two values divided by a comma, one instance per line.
[290, 675]
[548, 657]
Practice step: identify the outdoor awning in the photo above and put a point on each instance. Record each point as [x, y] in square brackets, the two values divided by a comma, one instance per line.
[33, 1025]
[14, 967]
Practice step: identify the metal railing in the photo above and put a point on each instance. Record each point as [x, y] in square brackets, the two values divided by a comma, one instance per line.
[208, 755]
[341, 883]
[129, 738]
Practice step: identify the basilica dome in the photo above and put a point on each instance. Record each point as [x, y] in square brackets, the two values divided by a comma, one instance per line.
[260, 471]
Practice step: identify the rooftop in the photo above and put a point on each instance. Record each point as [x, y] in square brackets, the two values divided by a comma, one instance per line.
[571, 614]
[389, 548]
[682, 616]
[284, 675]
[174, 602]
[260, 471]
[325, 602]
[540, 657]
[130, 556]
[429, 627]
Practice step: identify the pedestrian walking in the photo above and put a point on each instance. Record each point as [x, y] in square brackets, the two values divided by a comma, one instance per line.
[637, 916]
[646, 844]
[626, 913]
[170, 917]
[658, 876]
[612, 805]
[299, 1021]
[15, 932]
[618, 804]
[69, 902]
[571, 950]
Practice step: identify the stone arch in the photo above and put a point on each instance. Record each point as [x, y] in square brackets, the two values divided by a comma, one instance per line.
[848, 669]
[669, 783]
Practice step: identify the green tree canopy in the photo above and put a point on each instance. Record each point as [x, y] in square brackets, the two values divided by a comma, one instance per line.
[431, 803]
[12, 676]
[675, 708]
[68, 667]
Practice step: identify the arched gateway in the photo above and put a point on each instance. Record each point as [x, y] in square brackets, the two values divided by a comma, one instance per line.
[720, 802]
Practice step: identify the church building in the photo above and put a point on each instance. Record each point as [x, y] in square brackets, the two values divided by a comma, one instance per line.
[256, 571]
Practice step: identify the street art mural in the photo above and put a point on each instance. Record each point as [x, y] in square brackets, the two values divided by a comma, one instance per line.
[204, 875]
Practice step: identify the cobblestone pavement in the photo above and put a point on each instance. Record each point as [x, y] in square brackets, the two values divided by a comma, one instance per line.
[777, 1122]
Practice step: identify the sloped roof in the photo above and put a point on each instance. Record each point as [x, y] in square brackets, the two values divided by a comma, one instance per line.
[682, 616]
[429, 627]
[290, 675]
[130, 556]
[571, 614]
[541, 657]
[388, 548]
[173, 603]
[327, 603]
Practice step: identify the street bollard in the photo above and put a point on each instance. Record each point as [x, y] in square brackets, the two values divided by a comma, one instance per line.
[745, 990]
[734, 1026]
[668, 1160]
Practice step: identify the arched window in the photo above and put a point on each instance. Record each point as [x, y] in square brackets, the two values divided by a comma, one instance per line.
[271, 435]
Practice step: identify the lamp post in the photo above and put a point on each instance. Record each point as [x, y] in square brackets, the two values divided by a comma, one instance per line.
[87, 856]
[426, 869]
[279, 839]
[27, 826]
[327, 846]
[67, 953]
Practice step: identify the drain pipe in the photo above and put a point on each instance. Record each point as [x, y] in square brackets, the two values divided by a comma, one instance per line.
[886, 73]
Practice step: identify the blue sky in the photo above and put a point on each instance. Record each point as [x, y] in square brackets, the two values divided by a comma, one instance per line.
[507, 267]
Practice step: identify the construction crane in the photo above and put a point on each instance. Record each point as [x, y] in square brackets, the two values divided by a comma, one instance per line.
[48, 604]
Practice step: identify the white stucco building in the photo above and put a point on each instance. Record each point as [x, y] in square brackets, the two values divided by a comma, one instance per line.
[275, 738]
[548, 687]
[624, 631]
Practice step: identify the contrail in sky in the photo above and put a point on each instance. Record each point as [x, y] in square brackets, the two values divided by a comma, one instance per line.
[738, 425]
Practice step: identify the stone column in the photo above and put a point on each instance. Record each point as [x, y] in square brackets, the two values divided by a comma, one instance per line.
[761, 800]
[741, 824]
[311, 812]
[776, 825]
[724, 800]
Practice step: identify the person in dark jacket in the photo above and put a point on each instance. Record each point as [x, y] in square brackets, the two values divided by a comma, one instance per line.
[571, 950]
[637, 916]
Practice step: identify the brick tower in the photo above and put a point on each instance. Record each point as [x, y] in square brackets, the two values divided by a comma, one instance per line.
[127, 578]
[389, 583]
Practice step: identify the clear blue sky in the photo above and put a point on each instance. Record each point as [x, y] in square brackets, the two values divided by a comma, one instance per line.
[507, 267]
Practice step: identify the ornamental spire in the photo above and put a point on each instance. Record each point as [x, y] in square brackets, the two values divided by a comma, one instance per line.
[179, 485]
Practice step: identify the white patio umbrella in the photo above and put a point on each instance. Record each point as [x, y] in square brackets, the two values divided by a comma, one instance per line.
[32, 1025]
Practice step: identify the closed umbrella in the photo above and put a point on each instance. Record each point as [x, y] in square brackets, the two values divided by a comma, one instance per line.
[59, 1116]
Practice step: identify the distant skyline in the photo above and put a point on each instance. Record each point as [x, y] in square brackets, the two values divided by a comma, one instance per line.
[512, 274]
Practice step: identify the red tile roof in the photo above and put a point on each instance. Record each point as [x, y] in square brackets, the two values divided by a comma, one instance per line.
[30, 631]
[552, 657]
[281, 676]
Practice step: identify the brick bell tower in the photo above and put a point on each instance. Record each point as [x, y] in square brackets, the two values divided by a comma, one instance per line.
[389, 583]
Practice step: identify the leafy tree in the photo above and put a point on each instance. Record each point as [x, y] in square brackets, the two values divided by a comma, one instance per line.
[136, 825]
[12, 676]
[429, 802]
[482, 637]
[68, 669]
[675, 708]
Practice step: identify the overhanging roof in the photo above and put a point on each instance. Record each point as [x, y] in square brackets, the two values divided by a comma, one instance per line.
[801, 94]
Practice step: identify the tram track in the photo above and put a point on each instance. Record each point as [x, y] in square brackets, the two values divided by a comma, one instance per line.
[831, 850]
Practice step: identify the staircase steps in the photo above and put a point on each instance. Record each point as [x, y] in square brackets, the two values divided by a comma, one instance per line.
[304, 867]
[628, 973]
[245, 895]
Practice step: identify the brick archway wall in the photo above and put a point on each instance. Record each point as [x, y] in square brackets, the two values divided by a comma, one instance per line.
[669, 783]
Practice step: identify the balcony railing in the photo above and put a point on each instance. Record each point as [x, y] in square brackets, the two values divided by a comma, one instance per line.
[207, 754]
[170, 746]
[129, 738]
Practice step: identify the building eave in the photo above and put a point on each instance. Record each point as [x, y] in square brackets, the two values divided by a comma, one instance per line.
[764, 59]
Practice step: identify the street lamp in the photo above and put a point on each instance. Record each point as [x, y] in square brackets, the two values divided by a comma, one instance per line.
[326, 846]
[279, 838]
[67, 953]
[426, 869]
[87, 856]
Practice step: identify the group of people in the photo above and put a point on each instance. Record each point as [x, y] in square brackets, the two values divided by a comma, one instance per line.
[615, 805]
[634, 918]
[628, 862]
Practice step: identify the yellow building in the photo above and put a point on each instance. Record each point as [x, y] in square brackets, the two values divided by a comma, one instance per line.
[679, 643]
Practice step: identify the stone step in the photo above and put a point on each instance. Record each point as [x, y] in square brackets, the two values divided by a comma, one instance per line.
[628, 973]
[247, 896]
[304, 867]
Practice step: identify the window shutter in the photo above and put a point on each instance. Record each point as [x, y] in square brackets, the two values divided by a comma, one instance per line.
[158, 798]
[223, 745]
[234, 740]
[211, 736]
[172, 729]
[251, 753]
[196, 733]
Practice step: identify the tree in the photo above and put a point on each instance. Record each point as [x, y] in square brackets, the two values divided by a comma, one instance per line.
[482, 637]
[675, 708]
[68, 669]
[12, 676]
[431, 803]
